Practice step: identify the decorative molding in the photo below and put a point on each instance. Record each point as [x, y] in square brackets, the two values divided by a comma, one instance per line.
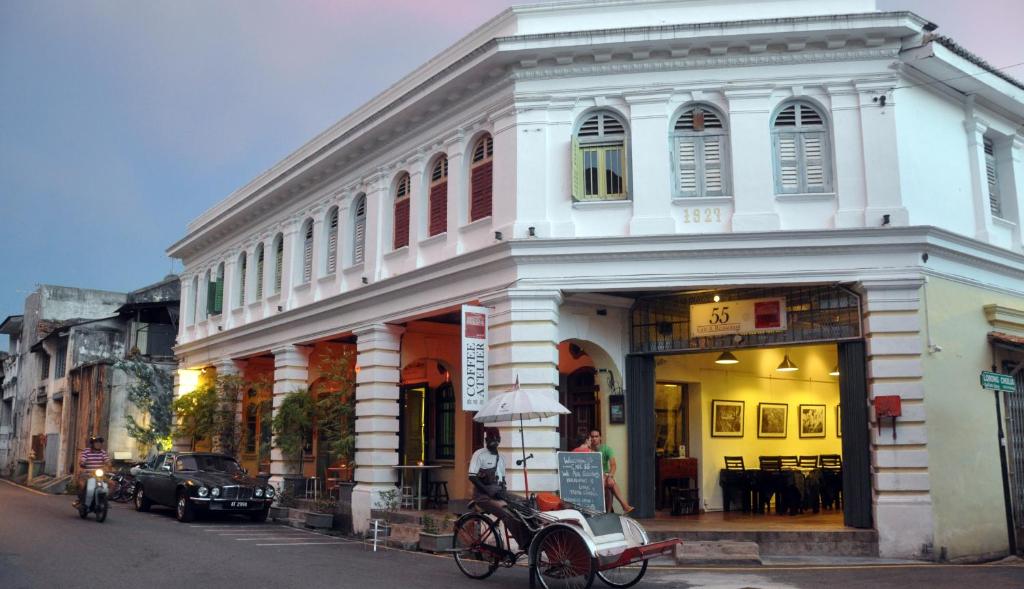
[1002, 317]
[710, 61]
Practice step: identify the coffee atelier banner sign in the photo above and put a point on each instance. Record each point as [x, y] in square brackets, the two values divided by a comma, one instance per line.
[738, 317]
[474, 357]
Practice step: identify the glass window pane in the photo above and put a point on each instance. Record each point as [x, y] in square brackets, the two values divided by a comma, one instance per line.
[613, 172]
[590, 172]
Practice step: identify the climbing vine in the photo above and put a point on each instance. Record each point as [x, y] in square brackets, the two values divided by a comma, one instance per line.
[151, 389]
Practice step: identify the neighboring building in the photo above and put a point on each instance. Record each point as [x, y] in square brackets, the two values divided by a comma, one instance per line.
[839, 194]
[76, 391]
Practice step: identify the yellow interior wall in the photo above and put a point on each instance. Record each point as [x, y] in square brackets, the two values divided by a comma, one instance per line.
[754, 380]
[963, 452]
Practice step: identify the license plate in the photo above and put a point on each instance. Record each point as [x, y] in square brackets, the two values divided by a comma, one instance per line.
[242, 504]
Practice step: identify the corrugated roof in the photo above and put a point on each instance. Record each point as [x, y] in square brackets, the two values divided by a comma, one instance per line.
[1005, 338]
[974, 58]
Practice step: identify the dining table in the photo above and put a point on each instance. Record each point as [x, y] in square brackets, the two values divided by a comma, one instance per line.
[419, 469]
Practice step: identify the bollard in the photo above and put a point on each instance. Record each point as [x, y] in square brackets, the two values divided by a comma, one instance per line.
[31, 467]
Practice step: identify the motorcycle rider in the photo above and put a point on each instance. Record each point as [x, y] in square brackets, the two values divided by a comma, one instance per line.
[89, 460]
[487, 473]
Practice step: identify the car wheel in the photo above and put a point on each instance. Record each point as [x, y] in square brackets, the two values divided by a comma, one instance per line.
[260, 516]
[142, 503]
[183, 508]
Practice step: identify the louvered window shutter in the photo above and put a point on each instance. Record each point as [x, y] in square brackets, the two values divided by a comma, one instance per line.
[307, 256]
[577, 170]
[278, 266]
[686, 151]
[211, 296]
[438, 208]
[241, 281]
[401, 223]
[482, 180]
[787, 163]
[332, 244]
[259, 275]
[713, 160]
[815, 175]
[995, 200]
[359, 240]
[624, 171]
[218, 304]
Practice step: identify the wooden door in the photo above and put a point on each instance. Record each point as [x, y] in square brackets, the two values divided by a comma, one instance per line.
[580, 397]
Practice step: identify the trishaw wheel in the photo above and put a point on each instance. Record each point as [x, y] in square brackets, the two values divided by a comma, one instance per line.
[478, 547]
[629, 575]
[563, 559]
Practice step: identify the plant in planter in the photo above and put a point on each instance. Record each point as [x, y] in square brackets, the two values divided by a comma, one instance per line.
[387, 501]
[436, 536]
[208, 413]
[281, 508]
[322, 516]
[293, 428]
[335, 411]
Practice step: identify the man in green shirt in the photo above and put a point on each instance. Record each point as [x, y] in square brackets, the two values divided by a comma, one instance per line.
[609, 467]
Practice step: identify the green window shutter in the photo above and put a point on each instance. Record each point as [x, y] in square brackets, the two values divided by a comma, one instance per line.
[813, 147]
[577, 171]
[259, 275]
[787, 163]
[687, 149]
[211, 296]
[625, 167]
[218, 304]
[278, 266]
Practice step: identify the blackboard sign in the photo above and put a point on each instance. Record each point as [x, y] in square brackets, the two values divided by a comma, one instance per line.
[581, 480]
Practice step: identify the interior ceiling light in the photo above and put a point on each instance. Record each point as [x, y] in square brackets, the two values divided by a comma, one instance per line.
[787, 365]
[726, 357]
[835, 371]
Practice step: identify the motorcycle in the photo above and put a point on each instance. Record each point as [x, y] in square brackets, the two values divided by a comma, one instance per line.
[124, 487]
[96, 490]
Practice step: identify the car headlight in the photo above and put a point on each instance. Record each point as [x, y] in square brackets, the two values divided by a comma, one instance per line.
[259, 492]
[99, 473]
[270, 491]
[215, 492]
[203, 491]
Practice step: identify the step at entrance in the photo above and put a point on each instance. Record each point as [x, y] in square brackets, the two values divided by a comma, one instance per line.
[849, 542]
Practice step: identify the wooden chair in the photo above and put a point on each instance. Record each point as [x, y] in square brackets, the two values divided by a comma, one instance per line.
[770, 463]
[734, 463]
[737, 483]
[789, 462]
[831, 480]
[808, 462]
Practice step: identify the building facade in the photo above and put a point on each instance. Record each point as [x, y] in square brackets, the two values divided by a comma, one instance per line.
[852, 184]
[65, 385]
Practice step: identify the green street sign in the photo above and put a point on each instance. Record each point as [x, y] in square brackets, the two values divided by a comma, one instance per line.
[994, 381]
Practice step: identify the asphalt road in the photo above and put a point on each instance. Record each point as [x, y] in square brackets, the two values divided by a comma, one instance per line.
[43, 543]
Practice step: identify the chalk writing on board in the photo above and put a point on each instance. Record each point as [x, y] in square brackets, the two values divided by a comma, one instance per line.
[580, 479]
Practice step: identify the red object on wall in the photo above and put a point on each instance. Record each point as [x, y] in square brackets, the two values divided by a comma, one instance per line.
[887, 406]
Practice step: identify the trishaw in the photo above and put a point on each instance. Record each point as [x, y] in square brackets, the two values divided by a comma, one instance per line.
[568, 545]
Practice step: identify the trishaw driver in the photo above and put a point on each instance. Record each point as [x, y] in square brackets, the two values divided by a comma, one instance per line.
[487, 473]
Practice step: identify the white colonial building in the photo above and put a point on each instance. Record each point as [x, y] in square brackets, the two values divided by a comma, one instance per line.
[605, 175]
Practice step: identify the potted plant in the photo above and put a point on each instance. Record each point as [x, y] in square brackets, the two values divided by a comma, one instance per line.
[436, 536]
[387, 502]
[293, 428]
[322, 516]
[281, 508]
[335, 412]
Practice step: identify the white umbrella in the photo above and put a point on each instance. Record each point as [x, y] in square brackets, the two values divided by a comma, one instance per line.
[517, 404]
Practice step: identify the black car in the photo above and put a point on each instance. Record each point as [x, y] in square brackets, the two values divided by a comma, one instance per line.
[193, 482]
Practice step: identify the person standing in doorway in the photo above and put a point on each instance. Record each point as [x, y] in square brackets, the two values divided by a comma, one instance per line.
[608, 466]
[584, 445]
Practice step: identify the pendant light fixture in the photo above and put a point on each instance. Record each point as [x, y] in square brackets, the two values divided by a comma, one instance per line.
[835, 371]
[726, 357]
[787, 365]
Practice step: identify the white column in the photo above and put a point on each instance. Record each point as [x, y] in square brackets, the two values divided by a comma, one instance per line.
[979, 183]
[378, 232]
[649, 169]
[229, 300]
[881, 156]
[851, 197]
[753, 179]
[523, 340]
[377, 361]
[1013, 191]
[902, 490]
[291, 372]
[419, 199]
[291, 244]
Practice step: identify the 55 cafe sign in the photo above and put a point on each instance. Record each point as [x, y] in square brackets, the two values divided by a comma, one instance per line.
[474, 357]
[738, 317]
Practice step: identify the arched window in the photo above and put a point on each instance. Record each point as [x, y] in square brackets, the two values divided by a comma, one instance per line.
[402, 189]
[359, 229]
[332, 241]
[439, 196]
[242, 271]
[701, 155]
[481, 178]
[600, 157]
[307, 251]
[803, 161]
[259, 272]
[195, 299]
[278, 262]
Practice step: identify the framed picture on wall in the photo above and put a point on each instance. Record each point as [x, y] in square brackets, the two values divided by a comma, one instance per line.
[616, 409]
[839, 422]
[772, 419]
[726, 419]
[812, 421]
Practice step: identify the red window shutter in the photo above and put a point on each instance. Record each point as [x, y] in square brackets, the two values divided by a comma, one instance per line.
[438, 208]
[402, 223]
[480, 197]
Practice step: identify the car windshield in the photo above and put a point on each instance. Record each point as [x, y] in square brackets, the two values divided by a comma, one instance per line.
[208, 463]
